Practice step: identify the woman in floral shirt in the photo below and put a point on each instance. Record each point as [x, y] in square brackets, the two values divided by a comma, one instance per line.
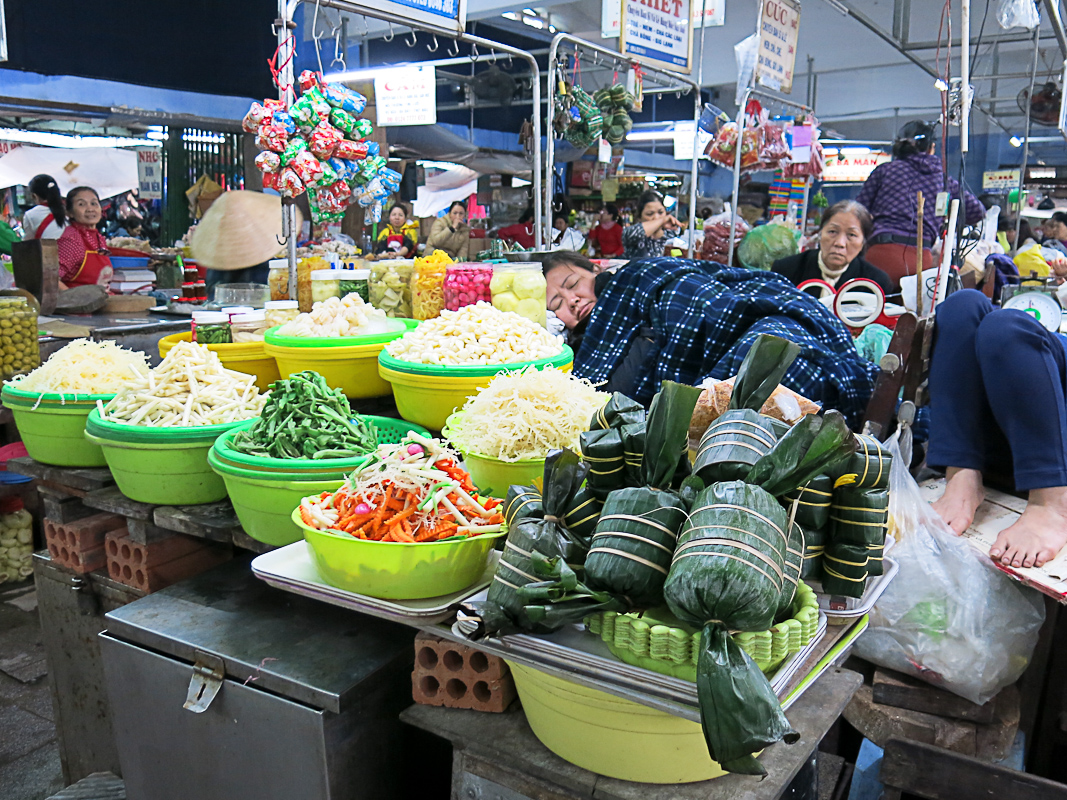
[654, 226]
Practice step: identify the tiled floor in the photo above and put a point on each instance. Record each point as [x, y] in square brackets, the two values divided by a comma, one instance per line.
[29, 757]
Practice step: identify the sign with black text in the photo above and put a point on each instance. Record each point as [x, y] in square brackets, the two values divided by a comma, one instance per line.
[776, 56]
[150, 173]
[658, 33]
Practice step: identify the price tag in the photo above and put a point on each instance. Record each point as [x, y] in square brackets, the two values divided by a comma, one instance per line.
[941, 204]
[604, 152]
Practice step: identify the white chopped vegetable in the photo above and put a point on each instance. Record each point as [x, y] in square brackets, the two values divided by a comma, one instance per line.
[337, 317]
[84, 367]
[476, 334]
[523, 415]
[189, 388]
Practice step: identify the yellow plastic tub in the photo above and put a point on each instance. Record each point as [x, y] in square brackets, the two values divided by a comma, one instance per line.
[247, 357]
[611, 736]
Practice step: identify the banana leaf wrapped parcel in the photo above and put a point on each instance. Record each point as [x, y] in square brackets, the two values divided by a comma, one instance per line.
[792, 563]
[741, 435]
[813, 501]
[845, 569]
[603, 446]
[729, 573]
[638, 527]
[867, 468]
[860, 517]
[814, 547]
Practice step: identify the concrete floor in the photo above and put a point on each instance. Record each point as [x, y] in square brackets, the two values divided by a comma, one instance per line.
[29, 756]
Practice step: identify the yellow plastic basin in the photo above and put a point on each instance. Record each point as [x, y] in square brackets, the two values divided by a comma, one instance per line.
[247, 357]
[611, 736]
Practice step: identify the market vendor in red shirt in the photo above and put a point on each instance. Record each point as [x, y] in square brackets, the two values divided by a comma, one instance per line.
[521, 233]
[83, 256]
[607, 235]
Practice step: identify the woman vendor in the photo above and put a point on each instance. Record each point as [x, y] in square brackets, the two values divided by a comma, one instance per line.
[392, 238]
[606, 237]
[48, 216]
[83, 256]
[654, 226]
[1055, 231]
[843, 235]
[566, 237]
[451, 233]
[983, 360]
[675, 319]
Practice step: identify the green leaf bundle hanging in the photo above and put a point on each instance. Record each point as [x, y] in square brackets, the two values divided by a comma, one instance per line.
[638, 527]
[813, 501]
[603, 446]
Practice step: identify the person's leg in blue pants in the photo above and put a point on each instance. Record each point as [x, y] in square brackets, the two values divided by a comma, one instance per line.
[999, 376]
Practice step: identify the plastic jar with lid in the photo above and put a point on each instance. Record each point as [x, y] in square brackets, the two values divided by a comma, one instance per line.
[427, 288]
[520, 288]
[390, 286]
[280, 312]
[16, 540]
[355, 281]
[278, 278]
[189, 290]
[19, 348]
[325, 283]
[304, 267]
[232, 311]
[467, 284]
[211, 327]
[248, 327]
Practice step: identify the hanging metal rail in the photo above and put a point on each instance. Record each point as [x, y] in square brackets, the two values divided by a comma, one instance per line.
[284, 25]
[550, 150]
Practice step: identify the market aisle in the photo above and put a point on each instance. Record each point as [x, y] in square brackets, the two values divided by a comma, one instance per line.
[29, 755]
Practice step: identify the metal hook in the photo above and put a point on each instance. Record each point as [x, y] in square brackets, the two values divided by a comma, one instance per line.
[281, 240]
[474, 51]
[511, 61]
[435, 45]
[391, 36]
[596, 58]
[414, 39]
[455, 44]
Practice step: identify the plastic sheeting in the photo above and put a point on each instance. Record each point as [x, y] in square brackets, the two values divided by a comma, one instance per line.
[109, 170]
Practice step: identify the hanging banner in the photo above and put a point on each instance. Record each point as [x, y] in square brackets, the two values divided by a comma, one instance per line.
[658, 33]
[150, 173]
[777, 52]
[714, 13]
[406, 96]
[449, 16]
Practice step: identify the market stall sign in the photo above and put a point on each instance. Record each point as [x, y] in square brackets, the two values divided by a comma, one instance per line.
[714, 13]
[779, 26]
[658, 33]
[1001, 179]
[611, 16]
[852, 168]
[406, 96]
[449, 16]
[150, 173]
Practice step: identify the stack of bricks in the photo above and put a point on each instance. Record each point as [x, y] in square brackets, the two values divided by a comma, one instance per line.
[152, 565]
[79, 544]
[455, 676]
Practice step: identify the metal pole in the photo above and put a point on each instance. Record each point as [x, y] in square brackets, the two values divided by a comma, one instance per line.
[737, 175]
[550, 141]
[287, 94]
[1026, 138]
[965, 78]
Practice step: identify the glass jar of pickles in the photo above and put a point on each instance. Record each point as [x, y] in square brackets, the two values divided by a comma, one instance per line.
[211, 327]
[520, 288]
[325, 283]
[355, 281]
[467, 284]
[249, 327]
[18, 336]
[390, 286]
[304, 267]
[278, 278]
[280, 312]
[427, 285]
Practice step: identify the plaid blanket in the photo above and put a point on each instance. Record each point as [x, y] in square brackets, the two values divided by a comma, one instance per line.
[706, 317]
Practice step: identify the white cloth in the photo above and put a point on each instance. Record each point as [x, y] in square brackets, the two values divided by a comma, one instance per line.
[571, 239]
[33, 219]
[830, 275]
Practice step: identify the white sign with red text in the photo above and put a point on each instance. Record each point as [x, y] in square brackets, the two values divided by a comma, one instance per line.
[777, 53]
[406, 96]
[150, 173]
[658, 32]
[852, 168]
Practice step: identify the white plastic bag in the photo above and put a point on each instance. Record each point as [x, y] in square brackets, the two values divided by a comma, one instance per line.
[949, 617]
[745, 55]
[1017, 14]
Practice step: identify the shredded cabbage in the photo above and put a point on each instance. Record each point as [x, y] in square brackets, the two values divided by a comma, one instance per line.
[523, 415]
[84, 367]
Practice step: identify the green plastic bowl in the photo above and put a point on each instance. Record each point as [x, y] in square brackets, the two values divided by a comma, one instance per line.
[491, 476]
[53, 429]
[165, 466]
[397, 570]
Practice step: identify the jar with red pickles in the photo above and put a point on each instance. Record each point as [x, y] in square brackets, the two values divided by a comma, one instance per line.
[467, 284]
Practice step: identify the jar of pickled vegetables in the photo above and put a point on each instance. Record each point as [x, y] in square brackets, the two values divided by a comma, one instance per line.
[211, 327]
[232, 311]
[467, 284]
[520, 288]
[390, 286]
[325, 283]
[16, 540]
[249, 327]
[278, 278]
[280, 312]
[427, 285]
[18, 336]
[355, 281]
[304, 267]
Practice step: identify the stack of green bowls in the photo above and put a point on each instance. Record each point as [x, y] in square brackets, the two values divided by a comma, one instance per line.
[52, 426]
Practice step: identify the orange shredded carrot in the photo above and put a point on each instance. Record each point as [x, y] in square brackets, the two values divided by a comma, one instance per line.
[305, 515]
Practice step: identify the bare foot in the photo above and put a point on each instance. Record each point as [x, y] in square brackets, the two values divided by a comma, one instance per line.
[1039, 534]
[963, 494]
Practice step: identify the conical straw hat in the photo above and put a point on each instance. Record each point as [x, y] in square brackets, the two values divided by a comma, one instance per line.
[241, 229]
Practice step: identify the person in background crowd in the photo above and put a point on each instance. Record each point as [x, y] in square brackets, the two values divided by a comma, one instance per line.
[678, 319]
[1006, 235]
[522, 232]
[889, 193]
[566, 238]
[130, 227]
[1055, 230]
[451, 233]
[839, 258]
[606, 237]
[654, 226]
[392, 239]
[83, 256]
[48, 217]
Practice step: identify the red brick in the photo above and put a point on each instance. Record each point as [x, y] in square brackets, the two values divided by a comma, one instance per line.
[153, 578]
[456, 676]
[457, 658]
[83, 534]
[124, 549]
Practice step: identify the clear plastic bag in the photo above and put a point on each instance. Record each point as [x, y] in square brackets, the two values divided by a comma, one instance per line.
[1018, 14]
[765, 244]
[949, 617]
[745, 55]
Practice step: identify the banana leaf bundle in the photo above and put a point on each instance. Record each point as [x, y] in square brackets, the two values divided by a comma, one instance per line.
[521, 501]
[860, 517]
[603, 445]
[814, 547]
[792, 562]
[638, 527]
[582, 515]
[867, 468]
[741, 435]
[844, 569]
[813, 501]
[729, 573]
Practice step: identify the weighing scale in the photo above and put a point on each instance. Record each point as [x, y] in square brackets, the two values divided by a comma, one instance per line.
[1039, 301]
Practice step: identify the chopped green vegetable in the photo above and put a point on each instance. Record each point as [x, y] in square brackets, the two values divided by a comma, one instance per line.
[305, 418]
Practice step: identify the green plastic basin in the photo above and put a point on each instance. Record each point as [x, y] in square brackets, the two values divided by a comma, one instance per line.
[165, 466]
[53, 429]
[397, 570]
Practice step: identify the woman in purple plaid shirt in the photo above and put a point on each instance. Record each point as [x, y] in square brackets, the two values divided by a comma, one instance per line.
[890, 195]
